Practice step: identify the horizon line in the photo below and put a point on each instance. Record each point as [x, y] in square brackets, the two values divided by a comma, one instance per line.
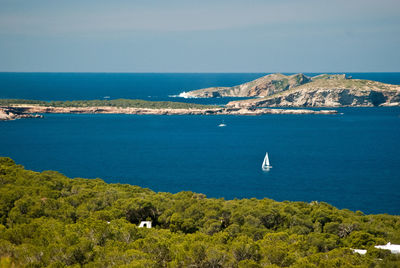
[258, 72]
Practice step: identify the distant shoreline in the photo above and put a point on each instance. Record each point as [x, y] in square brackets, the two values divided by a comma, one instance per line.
[18, 111]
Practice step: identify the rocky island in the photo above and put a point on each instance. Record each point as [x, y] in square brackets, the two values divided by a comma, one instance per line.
[261, 87]
[15, 109]
[273, 90]
[299, 90]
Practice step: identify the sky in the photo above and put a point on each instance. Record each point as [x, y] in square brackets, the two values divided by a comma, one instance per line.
[200, 36]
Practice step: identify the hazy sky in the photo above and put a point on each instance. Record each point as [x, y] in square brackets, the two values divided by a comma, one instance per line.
[200, 36]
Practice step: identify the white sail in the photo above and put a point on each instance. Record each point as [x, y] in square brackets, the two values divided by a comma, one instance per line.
[266, 165]
[267, 160]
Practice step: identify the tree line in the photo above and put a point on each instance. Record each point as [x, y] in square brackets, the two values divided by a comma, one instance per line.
[49, 220]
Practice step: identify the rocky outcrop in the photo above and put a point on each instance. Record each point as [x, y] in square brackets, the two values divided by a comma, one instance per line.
[142, 111]
[261, 87]
[333, 92]
[11, 113]
[325, 90]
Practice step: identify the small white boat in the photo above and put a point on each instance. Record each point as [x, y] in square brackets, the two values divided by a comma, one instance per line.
[266, 165]
[222, 125]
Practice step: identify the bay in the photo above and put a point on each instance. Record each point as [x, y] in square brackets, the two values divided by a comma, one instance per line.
[350, 160]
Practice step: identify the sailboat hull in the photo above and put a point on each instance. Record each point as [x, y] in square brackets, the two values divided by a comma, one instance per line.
[266, 168]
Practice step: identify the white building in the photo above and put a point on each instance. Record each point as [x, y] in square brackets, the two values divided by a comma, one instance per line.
[392, 247]
[359, 251]
[146, 224]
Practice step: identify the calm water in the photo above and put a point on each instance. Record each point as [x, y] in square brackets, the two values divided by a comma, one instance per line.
[149, 86]
[350, 160]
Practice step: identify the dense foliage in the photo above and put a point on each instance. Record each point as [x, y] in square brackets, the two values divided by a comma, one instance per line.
[47, 219]
[124, 103]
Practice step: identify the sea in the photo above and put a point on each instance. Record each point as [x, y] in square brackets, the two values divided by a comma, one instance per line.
[350, 160]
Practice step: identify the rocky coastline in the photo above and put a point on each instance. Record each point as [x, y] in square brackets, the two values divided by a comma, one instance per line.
[324, 97]
[12, 113]
[326, 90]
[35, 111]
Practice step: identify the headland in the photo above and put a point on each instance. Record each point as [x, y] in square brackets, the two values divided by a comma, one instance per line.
[16, 109]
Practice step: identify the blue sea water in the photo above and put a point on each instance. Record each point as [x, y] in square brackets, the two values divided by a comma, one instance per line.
[351, 160]
[148, 86]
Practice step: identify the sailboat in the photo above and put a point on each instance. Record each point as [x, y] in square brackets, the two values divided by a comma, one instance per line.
[266, 165]
[222, 124]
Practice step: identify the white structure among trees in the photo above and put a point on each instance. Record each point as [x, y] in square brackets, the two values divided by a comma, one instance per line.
[146, 224]
[392, 247]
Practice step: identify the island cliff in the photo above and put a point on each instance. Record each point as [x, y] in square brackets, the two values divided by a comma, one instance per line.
[330, 93]
[264, 86]
[326, 90]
